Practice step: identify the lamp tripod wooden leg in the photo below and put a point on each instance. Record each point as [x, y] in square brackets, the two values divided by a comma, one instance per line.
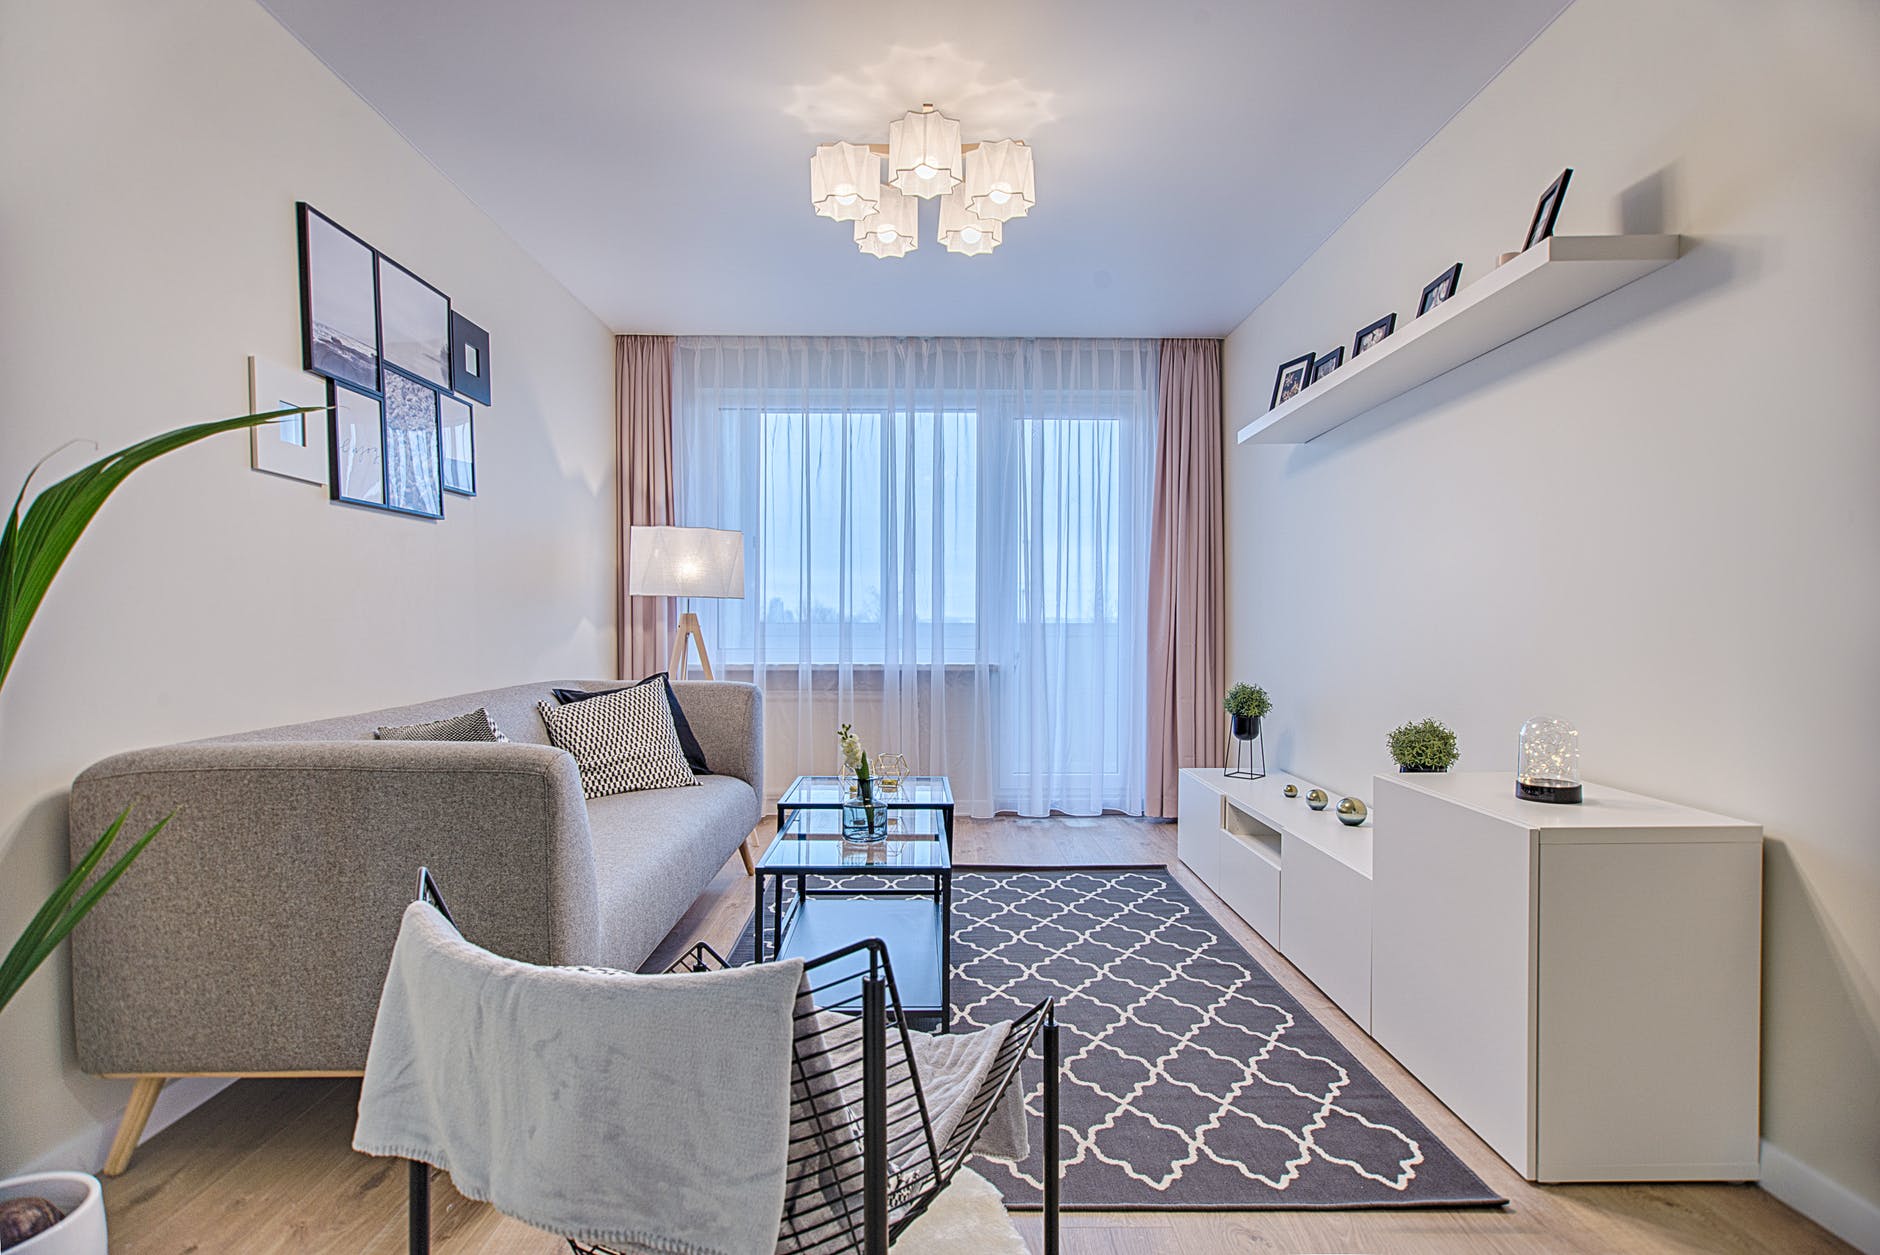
[688, 633]
[131, 1127]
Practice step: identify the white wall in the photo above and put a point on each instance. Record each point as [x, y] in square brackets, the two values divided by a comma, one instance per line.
[151, 158]
[1656, 516]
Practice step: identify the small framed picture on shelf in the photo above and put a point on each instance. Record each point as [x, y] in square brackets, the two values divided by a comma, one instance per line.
[1372, 336]
[1439, 289]
[1292, 379]
[1547, 210]
[1326, 363]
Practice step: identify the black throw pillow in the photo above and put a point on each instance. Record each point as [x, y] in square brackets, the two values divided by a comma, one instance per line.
[694, 754]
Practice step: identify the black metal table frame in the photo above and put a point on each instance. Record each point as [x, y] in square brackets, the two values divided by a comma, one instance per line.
[891, 804]
[941, 893]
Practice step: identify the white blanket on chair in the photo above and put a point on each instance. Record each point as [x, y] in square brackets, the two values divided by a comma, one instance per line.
[641, 1112]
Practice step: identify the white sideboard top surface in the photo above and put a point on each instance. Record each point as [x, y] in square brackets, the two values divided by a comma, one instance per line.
[1607, 814]
[1266, 801]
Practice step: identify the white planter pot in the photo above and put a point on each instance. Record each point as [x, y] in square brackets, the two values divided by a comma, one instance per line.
[80, 1197]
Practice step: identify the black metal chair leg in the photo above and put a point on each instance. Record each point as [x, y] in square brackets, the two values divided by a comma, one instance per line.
[418, 1197]
[874, 1116]
[1052, 1151]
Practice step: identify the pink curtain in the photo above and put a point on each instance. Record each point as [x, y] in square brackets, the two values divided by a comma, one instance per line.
[643, 444]
[1186, 573]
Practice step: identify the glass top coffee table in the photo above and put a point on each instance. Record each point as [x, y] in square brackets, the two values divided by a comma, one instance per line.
[824, 893]
[915, 793]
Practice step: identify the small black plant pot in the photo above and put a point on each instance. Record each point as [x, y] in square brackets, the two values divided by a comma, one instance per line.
[1408, 769]
[1246, 727]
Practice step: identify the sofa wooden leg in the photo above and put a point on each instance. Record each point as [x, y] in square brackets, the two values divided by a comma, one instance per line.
[131, 1127]
[744, 852]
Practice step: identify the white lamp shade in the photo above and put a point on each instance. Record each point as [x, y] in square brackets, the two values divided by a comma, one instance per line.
[685, 562]
[924, 156]
[844, 181]
[999, 181]
[963, 233]
[893, 230]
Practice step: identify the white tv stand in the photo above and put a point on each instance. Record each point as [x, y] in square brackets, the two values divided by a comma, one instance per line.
[1580, 984]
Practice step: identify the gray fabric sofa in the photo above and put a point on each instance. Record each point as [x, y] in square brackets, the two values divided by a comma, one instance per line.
[253, 935]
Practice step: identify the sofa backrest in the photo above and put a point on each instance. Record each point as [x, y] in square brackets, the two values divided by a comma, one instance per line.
[512, 708]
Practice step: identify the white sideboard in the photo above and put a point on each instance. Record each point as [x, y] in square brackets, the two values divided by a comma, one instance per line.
[1580, 984]
[1300, 877]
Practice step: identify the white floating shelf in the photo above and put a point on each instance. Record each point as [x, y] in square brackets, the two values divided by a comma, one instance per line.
[1555, 277]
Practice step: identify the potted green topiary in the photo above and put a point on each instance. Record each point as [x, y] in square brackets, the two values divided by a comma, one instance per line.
[1426, 746]
[1246, 703]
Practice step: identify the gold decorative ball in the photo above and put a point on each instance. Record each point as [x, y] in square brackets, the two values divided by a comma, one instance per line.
[1351, 811]
[1292, 790]
[1317, 800]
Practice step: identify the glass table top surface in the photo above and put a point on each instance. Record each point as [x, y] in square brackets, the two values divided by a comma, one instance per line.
[827, 791]
[812, 840]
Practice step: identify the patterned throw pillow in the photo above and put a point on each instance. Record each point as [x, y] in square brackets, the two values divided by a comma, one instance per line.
[623, 742]
[694, 753]
[475, 726]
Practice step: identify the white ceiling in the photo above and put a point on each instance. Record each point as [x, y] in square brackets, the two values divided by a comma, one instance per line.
[654, 154]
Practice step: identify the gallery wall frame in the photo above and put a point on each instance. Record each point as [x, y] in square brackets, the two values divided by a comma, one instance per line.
[356, 445]
[339, 301]
[413, 442]
[469, 359]
[457, 433]
[296, 447]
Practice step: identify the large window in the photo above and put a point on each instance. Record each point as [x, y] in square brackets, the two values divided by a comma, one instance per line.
[944, 546]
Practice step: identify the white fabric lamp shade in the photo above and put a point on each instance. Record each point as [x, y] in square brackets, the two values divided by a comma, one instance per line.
[999, 181]
[963, 233]
[685, 562]
[844, 181]
[893, 230]
[924, 157]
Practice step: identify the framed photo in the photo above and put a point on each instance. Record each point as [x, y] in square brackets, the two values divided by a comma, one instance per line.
[1326, 363]
[291, 447]
[414, 324]
[1547, 210]
[1440, 289]
[1292, 379]
[357, 444]
[460, 445]
[1375, 334]
[414, 462]
[469, 359]
[339, 304]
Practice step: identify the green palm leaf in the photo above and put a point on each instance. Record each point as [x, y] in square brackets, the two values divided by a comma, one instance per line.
[33, 546]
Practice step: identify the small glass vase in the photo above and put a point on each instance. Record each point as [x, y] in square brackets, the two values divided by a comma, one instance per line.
[864, 818]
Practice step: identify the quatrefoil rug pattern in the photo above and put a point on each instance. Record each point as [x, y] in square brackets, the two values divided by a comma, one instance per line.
[1191, 1078]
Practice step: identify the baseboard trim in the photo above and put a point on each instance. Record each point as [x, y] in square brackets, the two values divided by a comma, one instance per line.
[85, 1152]
[1839, 1210]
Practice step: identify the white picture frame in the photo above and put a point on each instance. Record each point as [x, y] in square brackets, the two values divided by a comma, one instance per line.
[293, 449]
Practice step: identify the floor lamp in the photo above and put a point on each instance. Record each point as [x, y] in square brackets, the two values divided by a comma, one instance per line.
[685, 562]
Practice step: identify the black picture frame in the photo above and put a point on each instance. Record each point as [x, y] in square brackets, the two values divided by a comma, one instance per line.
[459, 451]
[1373, 334]
[355, 445]
[1547, 210]
[414, 325]
[1441, 288]
[339, 297]
[414, 447]
[1292, 379]
[469, 359]
[1325, 363]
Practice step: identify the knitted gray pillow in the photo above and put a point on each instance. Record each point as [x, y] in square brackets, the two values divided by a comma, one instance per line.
[475, 726]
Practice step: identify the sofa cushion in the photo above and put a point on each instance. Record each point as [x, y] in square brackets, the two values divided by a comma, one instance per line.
[623, 742]
[654, 852]
[474, 726]
[694, 756]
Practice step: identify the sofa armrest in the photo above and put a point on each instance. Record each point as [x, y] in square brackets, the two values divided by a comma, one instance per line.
[728, 719]
[253, 935]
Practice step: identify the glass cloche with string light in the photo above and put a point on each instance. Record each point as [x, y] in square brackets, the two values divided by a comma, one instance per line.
[1548, 768]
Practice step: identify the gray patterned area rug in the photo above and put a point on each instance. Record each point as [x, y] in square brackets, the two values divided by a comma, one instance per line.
[1191, 1078]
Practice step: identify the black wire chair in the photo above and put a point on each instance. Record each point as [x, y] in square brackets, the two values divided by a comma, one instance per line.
[866, 1156]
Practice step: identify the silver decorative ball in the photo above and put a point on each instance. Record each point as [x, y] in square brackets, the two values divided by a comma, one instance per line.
[1351, 811]
[1317, 800]
[1292, 790]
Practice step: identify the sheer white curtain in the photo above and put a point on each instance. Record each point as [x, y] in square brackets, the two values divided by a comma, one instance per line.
[946, 545]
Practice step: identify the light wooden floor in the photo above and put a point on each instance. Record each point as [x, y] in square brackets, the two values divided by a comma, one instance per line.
[265, 1166]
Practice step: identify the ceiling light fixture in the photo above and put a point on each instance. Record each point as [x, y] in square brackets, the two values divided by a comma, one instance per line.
[980, 186]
